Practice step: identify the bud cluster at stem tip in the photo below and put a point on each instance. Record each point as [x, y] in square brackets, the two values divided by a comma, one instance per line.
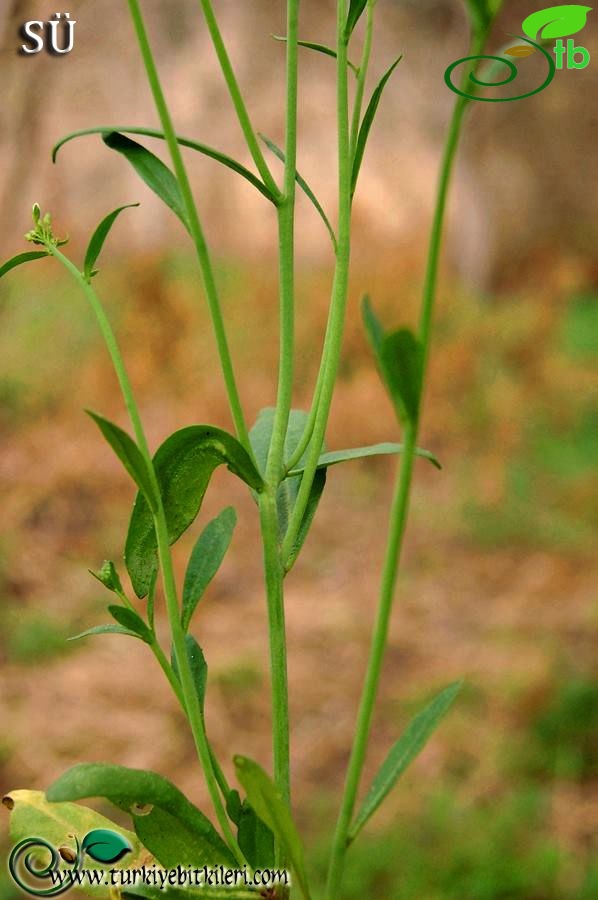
[42, 234]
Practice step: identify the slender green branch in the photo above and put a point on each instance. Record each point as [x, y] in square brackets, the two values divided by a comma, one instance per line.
[187, 686]
[398, 517]
[274, 572]
[237, 98]
[278, 651]
[309, 425]
[362, 75]
[286, 229]
[356, 121]
[195, 226]
[175, 684]
[334, 334]
[398, 520]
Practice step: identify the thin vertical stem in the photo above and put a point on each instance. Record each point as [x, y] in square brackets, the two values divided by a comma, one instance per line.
[398, 516]
[237, 98]
[274, 572]
[355, 123]
[338, 306]
[195, 226]
[286, 228]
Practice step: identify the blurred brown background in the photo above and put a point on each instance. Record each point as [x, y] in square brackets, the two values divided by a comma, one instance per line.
[499, 581]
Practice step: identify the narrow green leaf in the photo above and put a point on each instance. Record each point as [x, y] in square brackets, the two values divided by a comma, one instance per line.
[356, 10]
[233, 806]
[305, 188]
[319, 48]
[151, 170]
[385, 449]
[315, 495]
[368, 121]
[402, 360]
[171, 827]
[373, 327]
[199, 668]
[20, 259]
[129, 454]
[255, 839]
[104, 629]
[98, 238]
[210, 152]
[206, 558]
[184, 465]
[132, 622]
[409, 745]
[267, 801]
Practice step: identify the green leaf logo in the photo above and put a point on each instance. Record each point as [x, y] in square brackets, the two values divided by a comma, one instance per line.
[105, 846]
[556, 21]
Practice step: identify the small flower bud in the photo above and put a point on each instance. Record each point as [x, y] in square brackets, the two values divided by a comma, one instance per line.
[108, 576]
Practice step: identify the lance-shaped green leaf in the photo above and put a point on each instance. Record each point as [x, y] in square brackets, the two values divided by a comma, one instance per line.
[368, 121]
[151, 170]
[206, 558]
[184, 465]
[105, 629]
[334, 457]
[61, 824]
[318, 48]
[98, 239]
[165, 821]
[556, 21]
[198, 665]
[267, 801]
[130, 620]
[409, 745]
[356, 10]
[400, 360]
[20, 259]
[305, 188]
[260, 437]
[255, 838]
[315, 495]
[130, 456]
[206, 150]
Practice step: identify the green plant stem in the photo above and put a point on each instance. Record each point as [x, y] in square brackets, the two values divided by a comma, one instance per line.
[398, 520]
[362, 75]
[274, 572]
[338, 306]
[356, 121]
[189, 694]
[398, 515]
[237, 98]
[195, 226]
[286, 230]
